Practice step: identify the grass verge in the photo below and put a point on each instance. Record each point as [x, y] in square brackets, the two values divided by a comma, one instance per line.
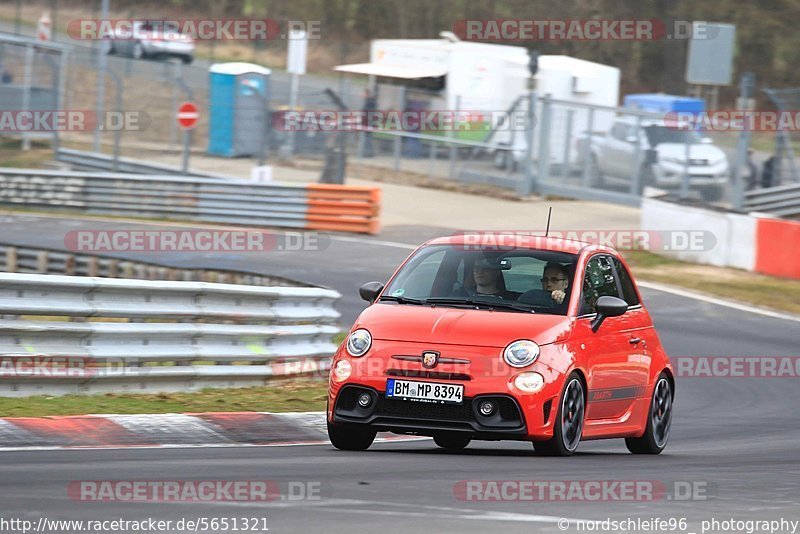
[297, 395]
[733, 284]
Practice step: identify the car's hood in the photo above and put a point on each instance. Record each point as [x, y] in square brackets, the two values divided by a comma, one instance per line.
[457, 326]
[696, 151]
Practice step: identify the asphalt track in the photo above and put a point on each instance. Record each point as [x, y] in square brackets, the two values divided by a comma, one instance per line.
[738, 439]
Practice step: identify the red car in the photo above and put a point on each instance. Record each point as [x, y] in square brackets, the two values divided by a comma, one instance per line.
[504, 337]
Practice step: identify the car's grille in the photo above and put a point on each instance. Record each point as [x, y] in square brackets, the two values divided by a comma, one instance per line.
[698, 162]
[425, 410]
[413, 373]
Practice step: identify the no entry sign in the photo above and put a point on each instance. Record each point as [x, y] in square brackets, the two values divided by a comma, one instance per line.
[188, 115]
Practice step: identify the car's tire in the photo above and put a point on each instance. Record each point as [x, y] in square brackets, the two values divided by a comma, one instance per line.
[712, 194]
[137, 52]
[452, 441]
[187, 59]
[566, 431]
[659, 419]
[351, 437]
[596, 178]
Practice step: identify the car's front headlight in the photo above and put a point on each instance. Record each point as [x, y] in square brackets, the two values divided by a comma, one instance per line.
[521, 353]
[358, 343]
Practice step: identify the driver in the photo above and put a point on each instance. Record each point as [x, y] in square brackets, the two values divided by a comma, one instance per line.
[555, 279]
[554, 293]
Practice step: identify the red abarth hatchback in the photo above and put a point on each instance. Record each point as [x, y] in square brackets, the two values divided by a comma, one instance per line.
[500, 337]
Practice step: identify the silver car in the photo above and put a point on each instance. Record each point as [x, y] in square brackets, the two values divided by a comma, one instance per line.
[152, 39]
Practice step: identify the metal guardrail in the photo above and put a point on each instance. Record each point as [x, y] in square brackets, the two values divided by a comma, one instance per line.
[25, 259]
[94, 161]
[239, 335]
[241, 202]
[782, 200]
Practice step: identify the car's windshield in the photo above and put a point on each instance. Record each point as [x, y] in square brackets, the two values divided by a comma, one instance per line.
[513, 280]
[657, 135]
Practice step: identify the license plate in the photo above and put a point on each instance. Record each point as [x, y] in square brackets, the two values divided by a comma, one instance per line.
[424, 391]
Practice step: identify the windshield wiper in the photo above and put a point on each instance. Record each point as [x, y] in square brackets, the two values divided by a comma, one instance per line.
[473, 302]
[402, 300]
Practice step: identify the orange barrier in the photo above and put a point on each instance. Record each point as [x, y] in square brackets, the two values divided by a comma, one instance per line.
[343, 208]
[778, 247]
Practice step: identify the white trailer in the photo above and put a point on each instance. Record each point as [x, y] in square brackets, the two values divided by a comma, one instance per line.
[449, 74]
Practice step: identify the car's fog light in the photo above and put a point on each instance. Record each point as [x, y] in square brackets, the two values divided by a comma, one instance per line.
[342, 370]
[364, 400]
[529, 382]
[486, 408]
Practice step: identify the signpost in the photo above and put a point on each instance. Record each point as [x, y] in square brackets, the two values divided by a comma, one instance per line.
[295, 65]
[187, 118]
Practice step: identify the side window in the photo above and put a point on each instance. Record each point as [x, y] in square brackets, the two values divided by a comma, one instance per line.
[598, 282]
[628, 291]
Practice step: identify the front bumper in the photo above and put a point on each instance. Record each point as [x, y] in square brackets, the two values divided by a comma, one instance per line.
[507, 421]
[520, 415]
[168, 48]
[668, 174]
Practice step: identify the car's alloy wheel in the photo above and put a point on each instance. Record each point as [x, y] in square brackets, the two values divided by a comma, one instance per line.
[659, 421]
[351, 437]
[569, 421]
[452, 441]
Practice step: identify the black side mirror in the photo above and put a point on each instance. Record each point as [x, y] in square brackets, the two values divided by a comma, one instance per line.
[608, 307]
[370, 291]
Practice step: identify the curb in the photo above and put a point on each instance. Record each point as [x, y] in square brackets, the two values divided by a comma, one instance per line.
[157, 430]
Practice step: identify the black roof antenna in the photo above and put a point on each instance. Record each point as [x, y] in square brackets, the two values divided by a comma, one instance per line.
[549, 212]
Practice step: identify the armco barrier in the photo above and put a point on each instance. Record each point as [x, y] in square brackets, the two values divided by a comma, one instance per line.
[241, 202]
[754, 242]
[16, 259]
[238, 335]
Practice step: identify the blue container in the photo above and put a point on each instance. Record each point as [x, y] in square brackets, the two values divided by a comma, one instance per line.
[237, 115]
[661, 103]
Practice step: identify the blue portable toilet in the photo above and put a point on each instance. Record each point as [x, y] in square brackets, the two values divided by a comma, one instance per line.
[661, 103]
[238, 97]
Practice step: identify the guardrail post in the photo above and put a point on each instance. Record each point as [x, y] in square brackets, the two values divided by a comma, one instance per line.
[11, 259]
[41, 262]
[92, 266]
[69, 265]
